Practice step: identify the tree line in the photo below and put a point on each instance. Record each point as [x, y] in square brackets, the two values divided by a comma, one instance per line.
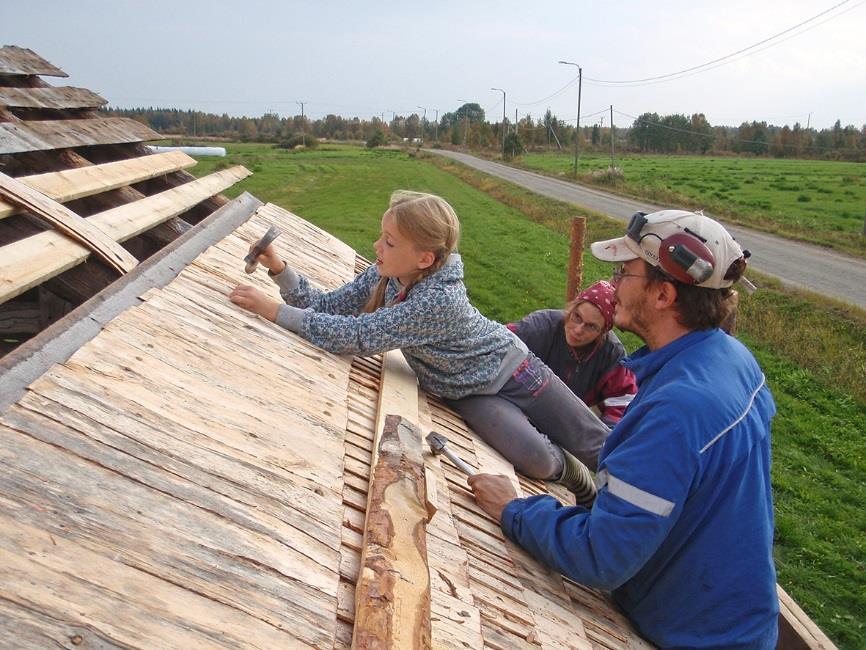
[468, 126]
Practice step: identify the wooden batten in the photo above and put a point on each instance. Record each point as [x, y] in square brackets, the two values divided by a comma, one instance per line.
[67, 222]
[23, 317]
[60, 134]
[28, 262]
[71, 184]
[22, 61]
[796, 630]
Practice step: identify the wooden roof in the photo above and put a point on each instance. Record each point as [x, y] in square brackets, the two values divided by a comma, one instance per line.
[177, 472]
[82, 200]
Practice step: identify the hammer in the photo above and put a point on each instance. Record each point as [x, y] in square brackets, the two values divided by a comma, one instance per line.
[251, 261]
[439, 445]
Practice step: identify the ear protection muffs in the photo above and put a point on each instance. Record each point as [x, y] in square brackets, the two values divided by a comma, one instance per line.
[684, 255]
[686, 258]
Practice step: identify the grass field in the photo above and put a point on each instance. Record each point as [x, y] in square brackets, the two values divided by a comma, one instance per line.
[814, 353]
[819, 201]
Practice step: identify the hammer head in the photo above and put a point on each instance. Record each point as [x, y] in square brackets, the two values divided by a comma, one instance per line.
[436, 441]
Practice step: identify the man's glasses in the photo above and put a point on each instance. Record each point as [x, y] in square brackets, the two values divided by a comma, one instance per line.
[619, 274]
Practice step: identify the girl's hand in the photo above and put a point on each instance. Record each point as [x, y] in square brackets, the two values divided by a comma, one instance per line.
[253, 300]
[269, 259]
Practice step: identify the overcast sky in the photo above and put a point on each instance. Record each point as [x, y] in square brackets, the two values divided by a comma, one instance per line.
[369, 58]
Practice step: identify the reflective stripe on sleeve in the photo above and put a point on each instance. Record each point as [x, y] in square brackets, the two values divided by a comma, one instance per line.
[634, 495]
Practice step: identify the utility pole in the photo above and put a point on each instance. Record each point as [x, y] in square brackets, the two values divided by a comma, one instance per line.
[503, 119]
[423, 121]
[611, 139]
[516, 123]
[303, 126]
[436, 125]
[577, 125]
[465, 122]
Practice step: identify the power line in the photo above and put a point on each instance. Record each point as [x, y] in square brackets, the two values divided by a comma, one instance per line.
[699, 68]
[713, 135]
[709, 65]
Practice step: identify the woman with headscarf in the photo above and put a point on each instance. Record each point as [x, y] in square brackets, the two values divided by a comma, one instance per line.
[578, 344]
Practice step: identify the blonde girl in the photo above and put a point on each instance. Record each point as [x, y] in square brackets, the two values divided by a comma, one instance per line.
[413, 299]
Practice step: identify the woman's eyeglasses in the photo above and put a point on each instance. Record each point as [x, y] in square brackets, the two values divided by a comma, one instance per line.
[589, 327]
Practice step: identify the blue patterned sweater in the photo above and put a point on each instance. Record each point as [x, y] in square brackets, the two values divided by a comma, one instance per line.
[453, 349]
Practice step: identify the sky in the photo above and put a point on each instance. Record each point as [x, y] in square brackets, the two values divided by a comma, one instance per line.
[375, 58]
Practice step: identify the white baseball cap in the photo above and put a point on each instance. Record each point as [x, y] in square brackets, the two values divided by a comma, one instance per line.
[688, 246]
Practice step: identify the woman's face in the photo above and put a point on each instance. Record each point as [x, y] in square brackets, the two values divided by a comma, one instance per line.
[583, 325]
[397, 256]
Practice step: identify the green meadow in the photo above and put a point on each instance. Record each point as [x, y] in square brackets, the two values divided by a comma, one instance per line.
[515, 246]
[813, 200]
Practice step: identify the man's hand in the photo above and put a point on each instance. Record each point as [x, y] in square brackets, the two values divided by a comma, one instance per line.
[255, 301]
[269, 259]
[492, 492]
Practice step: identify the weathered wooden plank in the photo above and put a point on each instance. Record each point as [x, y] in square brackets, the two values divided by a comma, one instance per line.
[131, 556]
[31, 360]
[456, 624]
[62, 97]
[71, 184]
[247, 475]
[393, 591]
[20, 60]
[796, 630]
[67, 222]
[61, 134]
[26, 263]
[20, 318]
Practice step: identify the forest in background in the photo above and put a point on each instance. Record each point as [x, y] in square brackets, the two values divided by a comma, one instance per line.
[468, 126]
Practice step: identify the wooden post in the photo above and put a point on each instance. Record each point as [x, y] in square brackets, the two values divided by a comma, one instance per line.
[392, 596]
[575, 262]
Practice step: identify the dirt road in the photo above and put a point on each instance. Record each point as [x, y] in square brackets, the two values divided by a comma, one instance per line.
[796, 264]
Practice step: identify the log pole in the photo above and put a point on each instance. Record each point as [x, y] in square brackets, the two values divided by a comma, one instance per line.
[575, 262]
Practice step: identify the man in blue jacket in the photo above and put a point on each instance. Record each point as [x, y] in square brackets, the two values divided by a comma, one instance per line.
[682, 530]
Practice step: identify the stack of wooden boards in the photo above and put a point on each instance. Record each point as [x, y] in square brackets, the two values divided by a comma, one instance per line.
[74, 185]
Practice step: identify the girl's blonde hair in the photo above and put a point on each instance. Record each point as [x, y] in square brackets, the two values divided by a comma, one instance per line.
[430, 223]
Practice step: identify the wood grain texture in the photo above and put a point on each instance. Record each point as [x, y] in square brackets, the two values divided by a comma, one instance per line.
[176, 482]
[71, 184]
[60, 98]
[67, 222]
[21, 137]
[28, 262]
[796, 630]
[22, 61]
[393, 591]
[196, 476]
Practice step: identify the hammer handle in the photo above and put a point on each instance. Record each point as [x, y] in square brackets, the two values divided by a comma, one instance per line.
[251, 262]
[454, 458]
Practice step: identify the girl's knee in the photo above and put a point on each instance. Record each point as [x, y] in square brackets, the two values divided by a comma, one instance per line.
[544, 465]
